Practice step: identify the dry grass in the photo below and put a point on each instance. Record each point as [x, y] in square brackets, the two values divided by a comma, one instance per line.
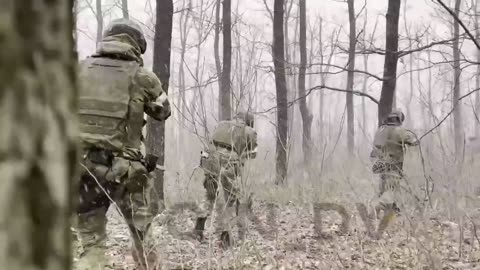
[443, 237]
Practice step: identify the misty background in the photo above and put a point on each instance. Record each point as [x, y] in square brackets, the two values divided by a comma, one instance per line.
[423, 92]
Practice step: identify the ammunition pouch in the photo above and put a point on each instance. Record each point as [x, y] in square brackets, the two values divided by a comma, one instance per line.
[382, 167]
[150, 162]
[223, 145]
[100, 156]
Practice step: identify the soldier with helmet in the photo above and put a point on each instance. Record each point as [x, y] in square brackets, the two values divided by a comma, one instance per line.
[390, 143]
[116, 90]
[233, 142]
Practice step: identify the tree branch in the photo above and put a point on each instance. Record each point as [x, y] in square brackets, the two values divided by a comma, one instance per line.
[404, 53]
[345, 69]
[460, 22]
[355, 92]
[448, 114]
[319, 87]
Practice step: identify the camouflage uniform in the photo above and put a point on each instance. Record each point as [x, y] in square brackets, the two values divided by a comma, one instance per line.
[390, 143]
[115, 92]
[233, 143]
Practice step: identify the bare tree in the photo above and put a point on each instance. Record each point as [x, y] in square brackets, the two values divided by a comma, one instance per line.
[38, 142]
[161, 67]
[125, 9]
[216, 51]
[225, 93]
[477, 77]
[99, 17]
[408, 104]
[306, 116]
[391, 60]
[457, 116]
[281, 89]
[184, 30]
[365, 125]
[351, 76]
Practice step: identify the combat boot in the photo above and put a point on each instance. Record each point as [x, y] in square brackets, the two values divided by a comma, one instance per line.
[226, 239]
[199, 228]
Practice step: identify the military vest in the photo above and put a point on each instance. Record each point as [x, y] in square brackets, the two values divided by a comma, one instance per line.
[233, 134]
[108, 117]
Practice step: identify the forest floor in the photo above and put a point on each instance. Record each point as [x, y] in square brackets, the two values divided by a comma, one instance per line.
[283, 236]
[430, 244]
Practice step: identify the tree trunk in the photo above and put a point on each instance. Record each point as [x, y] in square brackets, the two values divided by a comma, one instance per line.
[391, 60]
[477, 77]
[99, 17]
[38, 141]
[408, 104]
[225, 103]
[350, 77]
[457, 116]
[364, 125]
[125, 9]
[216, 51]
[289, 67]
[181, 103]
[161, 67]
[306, 116]
[322, 82]
[281, 91]
[430, 87]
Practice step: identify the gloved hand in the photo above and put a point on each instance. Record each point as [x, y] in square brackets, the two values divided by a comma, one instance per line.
[150, 162]
[160, 109]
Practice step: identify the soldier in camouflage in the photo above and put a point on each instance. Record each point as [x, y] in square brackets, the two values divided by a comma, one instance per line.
[390, 143]
[115, 93]
[233, 142]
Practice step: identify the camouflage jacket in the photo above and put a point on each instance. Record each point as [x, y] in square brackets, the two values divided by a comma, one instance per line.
[390, 143]
[237, 136]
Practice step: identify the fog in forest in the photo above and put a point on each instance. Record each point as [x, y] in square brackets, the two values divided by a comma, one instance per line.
[322, 79]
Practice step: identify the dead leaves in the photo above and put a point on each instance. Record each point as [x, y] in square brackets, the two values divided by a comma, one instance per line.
[293, 244]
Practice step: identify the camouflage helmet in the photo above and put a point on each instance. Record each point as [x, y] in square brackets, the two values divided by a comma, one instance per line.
[125, 26]
[245, 116]
[395, 117]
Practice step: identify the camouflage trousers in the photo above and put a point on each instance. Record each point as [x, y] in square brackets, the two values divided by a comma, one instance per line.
[124, 183]
[222, 168]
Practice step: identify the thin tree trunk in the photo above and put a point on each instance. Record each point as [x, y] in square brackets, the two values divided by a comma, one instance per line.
[281, 90]
[99, 17]
[289, 68]
[350, 77]
[365, 80]
[391, 59]
[161, 67]
[306, 116]
[183, 23]
[216, 51]
[457, 116]
[477, 77]
[225, 100]
[125, 9]
[430, 86]
[322, 82]
[76, 11]
[38, 141]
[410, 66]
